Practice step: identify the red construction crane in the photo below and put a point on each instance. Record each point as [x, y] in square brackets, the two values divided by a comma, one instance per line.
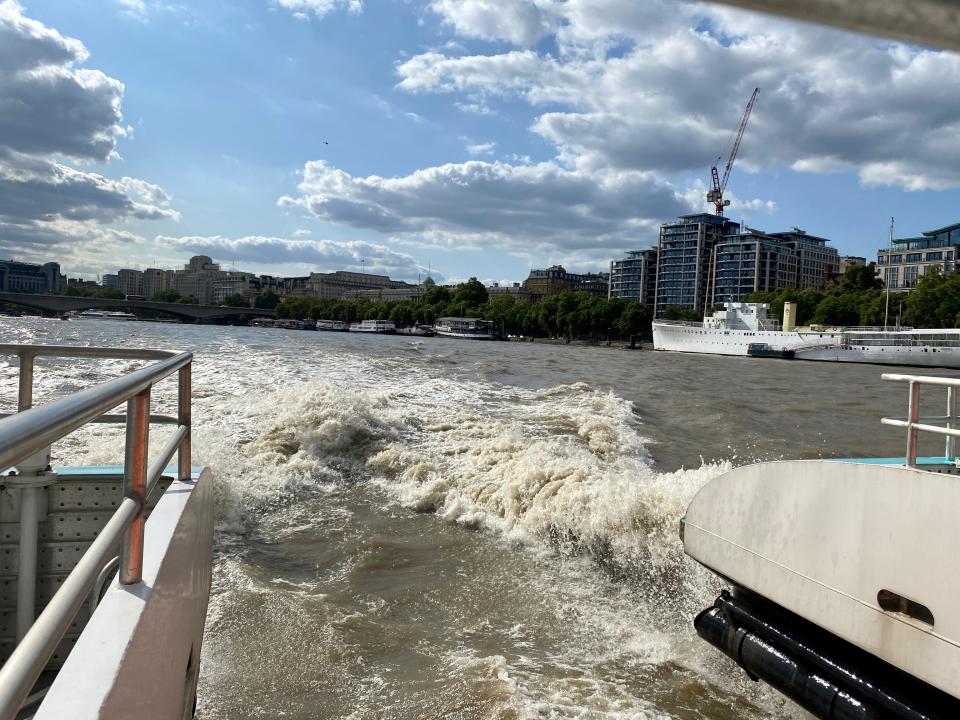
[715, 194]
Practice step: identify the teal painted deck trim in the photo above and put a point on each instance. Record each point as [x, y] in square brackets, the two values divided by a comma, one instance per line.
[110, 470]
[893, 461]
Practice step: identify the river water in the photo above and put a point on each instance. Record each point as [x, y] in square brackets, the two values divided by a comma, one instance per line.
[430, 528]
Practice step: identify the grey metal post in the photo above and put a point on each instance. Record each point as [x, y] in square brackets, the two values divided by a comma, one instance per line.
[31, 476]
[913, 414]
[951, 449]
[184, 413]
[135, 485]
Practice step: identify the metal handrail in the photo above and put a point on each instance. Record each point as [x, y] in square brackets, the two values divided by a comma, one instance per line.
[25, 440]
[936, 425]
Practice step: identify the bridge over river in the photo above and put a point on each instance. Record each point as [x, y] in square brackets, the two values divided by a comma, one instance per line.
[64, 303]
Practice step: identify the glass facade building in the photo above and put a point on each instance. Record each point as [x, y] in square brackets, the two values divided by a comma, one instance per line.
[635, 276]
[750, 261]
[902, 264]
[684, 259]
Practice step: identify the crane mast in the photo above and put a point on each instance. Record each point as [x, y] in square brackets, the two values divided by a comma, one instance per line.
[715, 194]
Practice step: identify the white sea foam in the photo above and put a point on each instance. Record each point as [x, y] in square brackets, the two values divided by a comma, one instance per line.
[563, 471]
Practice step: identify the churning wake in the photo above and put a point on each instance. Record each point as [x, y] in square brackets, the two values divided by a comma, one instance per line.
[399, 537]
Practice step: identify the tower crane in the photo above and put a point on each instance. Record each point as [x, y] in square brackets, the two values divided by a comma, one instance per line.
[715, 194]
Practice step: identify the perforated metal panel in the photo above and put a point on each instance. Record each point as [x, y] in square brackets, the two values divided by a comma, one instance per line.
[73, 512]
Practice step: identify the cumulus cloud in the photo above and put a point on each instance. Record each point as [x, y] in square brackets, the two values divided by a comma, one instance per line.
[635, 86]
[52, 111]
[322, 255]
[481, 203]
[517, 21]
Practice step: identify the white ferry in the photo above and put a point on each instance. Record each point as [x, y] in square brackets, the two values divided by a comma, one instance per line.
[105, 315]
[841, 593]
[383, 327]
[741, 329]
[470, 328]
[745, 329]
[106, 570]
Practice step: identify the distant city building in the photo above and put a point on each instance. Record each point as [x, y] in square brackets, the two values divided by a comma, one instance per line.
[515, 290]
[110, 281]
[197, 278]
[816, 263]
[130, 281]
[555, 279]
[32, 278]
[156, 281]
[246, 285]
[635, 276]
[337, 285]
[849, 261]
[902, 264]
[595, 284]
[404, 292]
[684, 260]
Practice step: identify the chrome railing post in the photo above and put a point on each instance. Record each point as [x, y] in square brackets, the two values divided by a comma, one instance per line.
[913, 415]
[184, 412]
[32, 476]
[951, 445]
[135, 485]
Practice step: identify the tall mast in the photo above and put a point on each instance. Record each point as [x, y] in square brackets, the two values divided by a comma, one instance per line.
[886, 314]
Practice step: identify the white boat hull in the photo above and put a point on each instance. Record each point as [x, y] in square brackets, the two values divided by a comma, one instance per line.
[823, 538]
[464, 336]
[697, 339]
[886, 355]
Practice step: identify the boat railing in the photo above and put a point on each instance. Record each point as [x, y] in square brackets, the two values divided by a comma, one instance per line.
[683, 323]
[25, 444]
[945, 425]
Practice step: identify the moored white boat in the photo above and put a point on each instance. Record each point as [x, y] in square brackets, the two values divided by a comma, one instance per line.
[383, 327]
[332, 325]
[122, 599]
[842, 594]
[468, 328]
[105, 315]
[745, 329]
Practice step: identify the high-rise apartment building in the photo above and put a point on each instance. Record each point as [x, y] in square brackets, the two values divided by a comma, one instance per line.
[635, 276]
[747, 262]
[684, 260]
[816, 263]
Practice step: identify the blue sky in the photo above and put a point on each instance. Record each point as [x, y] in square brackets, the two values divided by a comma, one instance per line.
[472, 137]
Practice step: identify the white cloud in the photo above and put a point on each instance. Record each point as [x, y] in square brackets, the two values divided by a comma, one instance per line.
[486, 148]
[318, 8]
[134, 8]
[635, 86]
[516, 21]
[478, 204]
[301, 232]
[51, 109]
